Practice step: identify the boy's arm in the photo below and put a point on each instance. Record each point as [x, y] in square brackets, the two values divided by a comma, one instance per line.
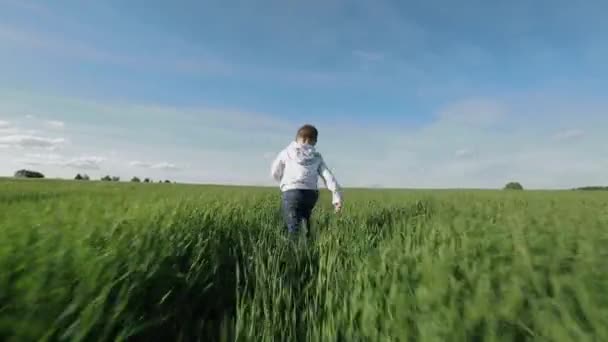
[278, 165]
[331, 183]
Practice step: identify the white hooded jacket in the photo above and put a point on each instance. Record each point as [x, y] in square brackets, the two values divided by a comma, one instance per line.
[299, 166]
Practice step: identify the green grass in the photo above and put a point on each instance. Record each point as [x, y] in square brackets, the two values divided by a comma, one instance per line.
[163, 262]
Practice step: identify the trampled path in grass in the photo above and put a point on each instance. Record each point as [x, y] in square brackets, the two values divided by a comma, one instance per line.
[105, 261]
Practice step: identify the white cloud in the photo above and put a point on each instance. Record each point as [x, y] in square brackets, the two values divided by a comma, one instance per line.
[516, 141]
[570, 134]
[80, 163]
[137, 163]
[85, 162]
[463, 153]
[471, 143]
[160, 166]
[165, 166]
[40, 159]
[4, 132]
[11, 134]
[55, 124]
[31, 141]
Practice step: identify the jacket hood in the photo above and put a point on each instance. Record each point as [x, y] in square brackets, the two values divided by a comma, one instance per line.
[303, 154]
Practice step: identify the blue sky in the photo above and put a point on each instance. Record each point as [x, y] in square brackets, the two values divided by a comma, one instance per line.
[406, 94]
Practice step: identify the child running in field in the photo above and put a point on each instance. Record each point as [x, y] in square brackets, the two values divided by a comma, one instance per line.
[298, 168]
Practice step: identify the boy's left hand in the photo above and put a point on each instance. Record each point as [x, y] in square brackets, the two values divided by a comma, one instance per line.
[337, 207]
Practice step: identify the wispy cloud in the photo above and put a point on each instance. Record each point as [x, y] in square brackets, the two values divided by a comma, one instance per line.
[137, 163]
[55, 124]
[14, 136]
[160, 166]
[80, 163]
[570, 134]
[165, 166]
[85, 162]
[470, 143]
[463, 153]
[30, 141]
[39, 159]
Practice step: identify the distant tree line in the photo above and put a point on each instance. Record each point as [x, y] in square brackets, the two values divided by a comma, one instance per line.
[518, 186]
[84, 177]
[593, 188]
[135, 179]
[108, 178]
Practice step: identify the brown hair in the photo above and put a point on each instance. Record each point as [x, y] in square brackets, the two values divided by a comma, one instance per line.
[308, 133]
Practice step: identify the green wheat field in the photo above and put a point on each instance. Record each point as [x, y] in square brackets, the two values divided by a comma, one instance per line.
[93, 261]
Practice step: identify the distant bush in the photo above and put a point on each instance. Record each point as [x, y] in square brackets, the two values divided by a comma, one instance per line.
[147, 180]
[106, 179]
[593, 188]
[115, 179]
[167, 181]
[28, 174]
[83, 177]
[514, 186]
[135, 180]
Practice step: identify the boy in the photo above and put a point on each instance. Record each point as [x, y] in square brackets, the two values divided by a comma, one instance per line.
[298, 168]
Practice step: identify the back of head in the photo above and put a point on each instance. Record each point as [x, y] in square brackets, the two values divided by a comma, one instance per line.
[308, 134]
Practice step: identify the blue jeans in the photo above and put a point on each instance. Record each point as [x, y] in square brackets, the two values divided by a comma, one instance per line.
[297, 208]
